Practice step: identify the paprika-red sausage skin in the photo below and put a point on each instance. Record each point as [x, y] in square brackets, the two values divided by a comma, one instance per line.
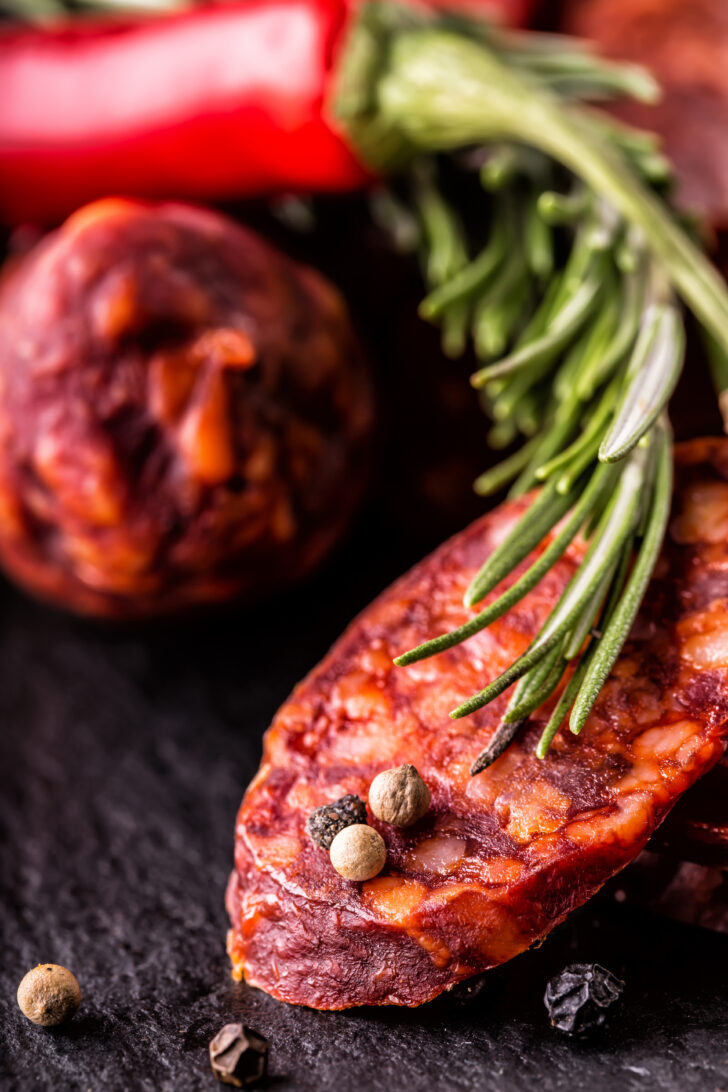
[184, 413]
[502, 857]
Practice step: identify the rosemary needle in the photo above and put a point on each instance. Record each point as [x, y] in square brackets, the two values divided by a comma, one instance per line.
[597, 486]
[650, 380]
[614, 528]
[618, 627]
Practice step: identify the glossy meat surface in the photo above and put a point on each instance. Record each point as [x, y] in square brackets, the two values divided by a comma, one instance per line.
[697, 830]
[500, 858]
[685, 44]
[184, 413]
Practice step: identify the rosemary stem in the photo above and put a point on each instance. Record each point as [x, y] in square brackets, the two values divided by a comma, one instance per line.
[490, 100]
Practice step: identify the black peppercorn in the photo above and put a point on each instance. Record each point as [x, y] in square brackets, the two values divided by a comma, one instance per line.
[577, 999]
[324, 823]
[239, 1056]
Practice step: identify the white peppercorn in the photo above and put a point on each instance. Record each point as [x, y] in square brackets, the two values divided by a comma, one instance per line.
[358, 852]
[399, 796]
[49, 994]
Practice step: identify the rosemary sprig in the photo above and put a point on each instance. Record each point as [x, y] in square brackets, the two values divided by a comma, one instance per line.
[577, 354]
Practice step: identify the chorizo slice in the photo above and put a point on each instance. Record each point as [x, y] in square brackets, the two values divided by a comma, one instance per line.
[502, 857]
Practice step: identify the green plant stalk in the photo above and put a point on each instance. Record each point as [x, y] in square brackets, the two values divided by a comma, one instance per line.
[545, 511]
[542, 681]
[437, 85]
[614, 528]
[649, 382]
[441, 90]
[601, 480]
[610, 644]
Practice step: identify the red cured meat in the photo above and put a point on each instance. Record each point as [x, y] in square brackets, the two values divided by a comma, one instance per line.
[686, 46]
[503, 857]
[697, 830]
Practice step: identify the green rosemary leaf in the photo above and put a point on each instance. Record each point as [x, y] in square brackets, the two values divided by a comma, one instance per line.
[501, 435]
[493, 479]
[455, 330]
[614, 528]
[446, 252]
[617, 587]
[577, 71]
[630, 315]
[519, 386]
[625, 137]
[473, 277]
[546, 511]
[532, 681]
[563, 705]
[656, 168]
[536, 46]
[595, 427]
[589, 349]
[535, 652]
[538, 241]
[500, 308]
[584, 624]
[562, 327]
[395, 219]
[544, 692]
[602, 234]
[560, 431]
[583, 372]
[557, 209]
[600, 483]
[615, 633]
[627, 256]
[529, 412]
[540, 318]
[500, 168]
[542, 680]
[579, 463]
[604, 83]
[651, 378]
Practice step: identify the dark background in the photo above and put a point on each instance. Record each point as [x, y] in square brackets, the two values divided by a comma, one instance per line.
[124, 754]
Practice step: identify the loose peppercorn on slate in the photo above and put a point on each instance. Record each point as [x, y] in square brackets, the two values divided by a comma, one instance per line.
[184, 413]
[502, 857]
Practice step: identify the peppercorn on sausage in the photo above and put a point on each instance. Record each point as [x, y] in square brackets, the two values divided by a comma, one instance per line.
[499, 858]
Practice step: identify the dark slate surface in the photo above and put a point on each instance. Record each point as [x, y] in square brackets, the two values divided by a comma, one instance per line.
[124, 755]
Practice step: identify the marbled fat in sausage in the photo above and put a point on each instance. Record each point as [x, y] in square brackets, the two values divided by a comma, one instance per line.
[500, 858]
[184, 413]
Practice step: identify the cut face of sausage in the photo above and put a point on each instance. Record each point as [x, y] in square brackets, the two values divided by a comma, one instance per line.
[502, 857]
[697, 830]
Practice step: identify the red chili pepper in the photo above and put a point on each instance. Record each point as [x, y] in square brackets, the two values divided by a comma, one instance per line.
[216, 102]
